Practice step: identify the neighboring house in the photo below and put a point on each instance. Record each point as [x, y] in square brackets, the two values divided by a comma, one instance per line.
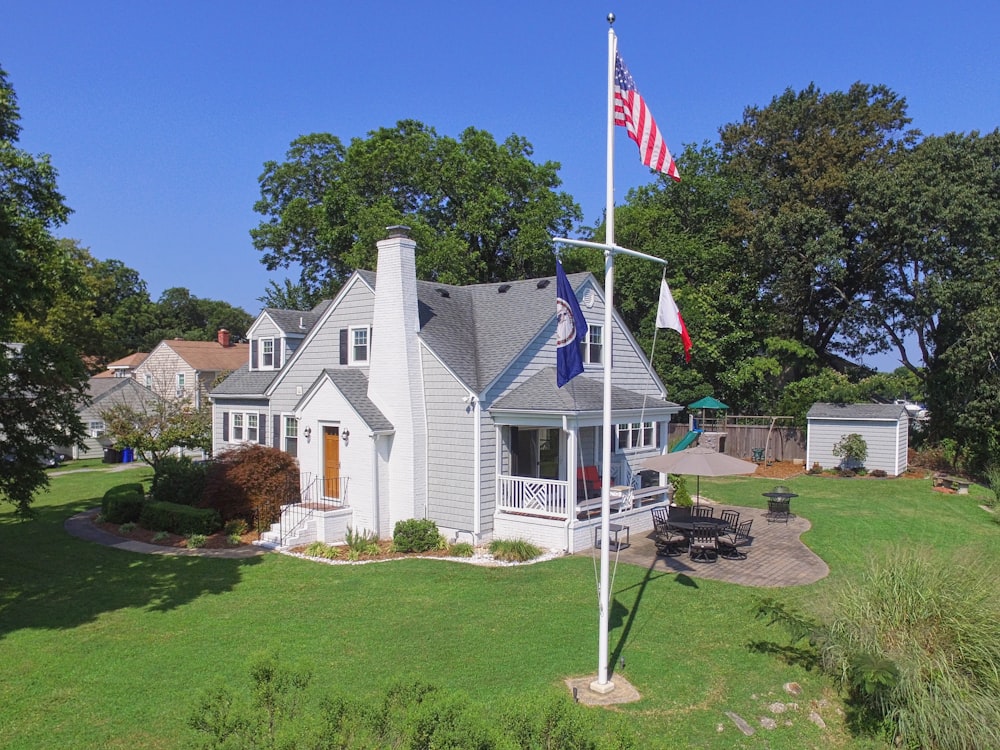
[410, 399]
[104, 393]
[124, 367]
[884, 427]
[177, 368]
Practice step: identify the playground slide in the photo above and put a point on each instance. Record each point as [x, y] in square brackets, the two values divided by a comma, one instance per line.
[686, 441]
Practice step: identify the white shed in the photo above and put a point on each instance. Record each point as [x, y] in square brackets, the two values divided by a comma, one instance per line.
[884, 427]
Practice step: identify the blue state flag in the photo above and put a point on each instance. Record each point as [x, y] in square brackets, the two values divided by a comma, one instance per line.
[571, 330]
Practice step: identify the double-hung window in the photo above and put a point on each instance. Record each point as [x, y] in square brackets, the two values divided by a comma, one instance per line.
[592, 347]
[97, 428]
[180, 384]
[238, 429]
[291, 436]
[636, 435]
[359, 345]
[251, 427]
[267, 354]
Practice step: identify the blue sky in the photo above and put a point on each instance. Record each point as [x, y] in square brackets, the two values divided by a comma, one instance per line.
[160, 115]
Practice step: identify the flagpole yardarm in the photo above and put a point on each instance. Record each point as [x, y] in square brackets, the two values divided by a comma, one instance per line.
[616, 249]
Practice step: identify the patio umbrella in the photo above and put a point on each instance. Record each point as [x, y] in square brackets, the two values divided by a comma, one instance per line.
[700, 461]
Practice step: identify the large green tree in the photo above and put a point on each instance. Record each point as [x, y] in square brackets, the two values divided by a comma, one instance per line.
[180, 314]
[807, 166]
[43, 381]
[479, 210]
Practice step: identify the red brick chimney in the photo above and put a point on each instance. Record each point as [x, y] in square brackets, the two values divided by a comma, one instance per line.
[223, 337]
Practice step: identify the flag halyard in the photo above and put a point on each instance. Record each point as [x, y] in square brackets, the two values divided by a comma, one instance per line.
[571, 330]
[632, 113]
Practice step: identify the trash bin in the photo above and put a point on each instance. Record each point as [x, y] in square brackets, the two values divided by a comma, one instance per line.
[126, 455]
[112, 456]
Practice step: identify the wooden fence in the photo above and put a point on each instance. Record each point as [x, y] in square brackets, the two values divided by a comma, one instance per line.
[744, 435]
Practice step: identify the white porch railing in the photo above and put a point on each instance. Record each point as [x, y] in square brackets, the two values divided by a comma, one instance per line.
[540, 497]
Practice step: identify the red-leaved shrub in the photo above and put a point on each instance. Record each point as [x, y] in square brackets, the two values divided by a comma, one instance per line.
[251, 482]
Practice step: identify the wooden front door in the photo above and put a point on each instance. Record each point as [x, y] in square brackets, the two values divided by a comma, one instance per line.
[331, 462]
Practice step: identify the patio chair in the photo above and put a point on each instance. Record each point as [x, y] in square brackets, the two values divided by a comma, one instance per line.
[730, 545]
[669, 541]
[588, 482]
[731, 517]
[703, 511]
[659, 518]
[704, 543]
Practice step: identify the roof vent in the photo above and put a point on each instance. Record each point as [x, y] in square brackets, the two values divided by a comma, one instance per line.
[503, 288]
[542, 283]
[443, 292]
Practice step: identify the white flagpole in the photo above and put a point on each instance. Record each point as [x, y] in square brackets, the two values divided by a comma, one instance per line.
[602, 684]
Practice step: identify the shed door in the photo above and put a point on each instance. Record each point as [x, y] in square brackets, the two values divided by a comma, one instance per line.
[331, 462]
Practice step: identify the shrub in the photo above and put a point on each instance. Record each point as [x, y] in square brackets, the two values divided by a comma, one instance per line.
[816, 468]
[682, 498]
[179, 519]
[180, 480]
[123, 503]
[416, 535]
[127, 528]
[852, 450]
[194, 541]
[236, 527]
[319, 549]
[513, 550]
[361, 543]
[251, 482]
[461, 549]
[993, 482]
[879, 473]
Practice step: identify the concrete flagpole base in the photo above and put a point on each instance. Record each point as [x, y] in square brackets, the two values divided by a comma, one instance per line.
[586, 690]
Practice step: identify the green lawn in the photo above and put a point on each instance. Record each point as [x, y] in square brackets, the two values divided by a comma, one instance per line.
[105, 648]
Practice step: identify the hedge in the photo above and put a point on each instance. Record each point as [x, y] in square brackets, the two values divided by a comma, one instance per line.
[158, 515]
[123, 503]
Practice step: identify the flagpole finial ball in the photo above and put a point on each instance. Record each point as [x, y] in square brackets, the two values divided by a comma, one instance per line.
[611, 18]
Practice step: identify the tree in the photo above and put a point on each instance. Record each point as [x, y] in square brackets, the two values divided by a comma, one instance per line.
[43, 381]
[157, 426]
[807, 166]
[288, 296]
[180, 314]
[480, 211]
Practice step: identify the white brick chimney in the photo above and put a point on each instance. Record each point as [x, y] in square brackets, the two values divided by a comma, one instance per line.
[395, 382]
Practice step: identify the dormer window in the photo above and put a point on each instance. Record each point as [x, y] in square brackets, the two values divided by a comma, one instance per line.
[359, 345]
[267, 354]
[592, 348]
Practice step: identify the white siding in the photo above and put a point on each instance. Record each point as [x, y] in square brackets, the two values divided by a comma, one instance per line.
[886, 441]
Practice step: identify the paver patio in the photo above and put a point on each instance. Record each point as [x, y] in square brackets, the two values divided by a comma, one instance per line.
[776, 557]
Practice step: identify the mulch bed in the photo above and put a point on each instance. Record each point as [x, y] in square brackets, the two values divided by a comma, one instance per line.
[212, 541]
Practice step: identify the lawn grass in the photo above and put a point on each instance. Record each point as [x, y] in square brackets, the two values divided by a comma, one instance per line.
[105, 648]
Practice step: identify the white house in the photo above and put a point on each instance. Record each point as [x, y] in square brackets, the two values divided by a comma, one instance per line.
[884, 427]
[411, 399]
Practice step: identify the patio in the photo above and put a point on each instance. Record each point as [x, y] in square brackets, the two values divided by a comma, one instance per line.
[777, 557]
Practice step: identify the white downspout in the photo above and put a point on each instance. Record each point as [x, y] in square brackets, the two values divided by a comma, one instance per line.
[477, 489]
[571, 449]
[375, 504]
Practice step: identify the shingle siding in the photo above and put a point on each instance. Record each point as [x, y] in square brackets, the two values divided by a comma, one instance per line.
[883, 427]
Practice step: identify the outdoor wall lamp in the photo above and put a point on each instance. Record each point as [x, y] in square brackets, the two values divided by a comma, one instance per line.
[307, 432]
[346, 434]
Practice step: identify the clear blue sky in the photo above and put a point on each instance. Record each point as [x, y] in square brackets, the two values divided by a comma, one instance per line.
[159, 115]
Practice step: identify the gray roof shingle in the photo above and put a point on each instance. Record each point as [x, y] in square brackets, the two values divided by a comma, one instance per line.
[856, 411]
[581, 394]
[354, 385]
[242, 382]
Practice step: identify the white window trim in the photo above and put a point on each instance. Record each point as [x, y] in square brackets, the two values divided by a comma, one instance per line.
[587, 344]
[245, 418]
[274, 354]
[97, 428]
[285, 419]
[627, 428]
[351, 360]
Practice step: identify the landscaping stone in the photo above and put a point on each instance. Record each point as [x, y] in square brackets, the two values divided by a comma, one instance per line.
[740, 723]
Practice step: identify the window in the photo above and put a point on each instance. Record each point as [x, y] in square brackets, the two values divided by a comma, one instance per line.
[636, 435]
[97, 429]
[251, 428]
[359, 346]
[291, 436]
[180, 384]
[267, 354]
[593, 345]
[244, 427]
[237, 426]
[147, 380]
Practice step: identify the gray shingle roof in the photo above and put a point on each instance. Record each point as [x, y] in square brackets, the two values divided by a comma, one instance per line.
[242, 382]
[354, 385]
[478, 330]
[856, 411]
[581, 394]
[297, 321]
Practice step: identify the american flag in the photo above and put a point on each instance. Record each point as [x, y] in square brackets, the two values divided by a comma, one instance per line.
[632, 113]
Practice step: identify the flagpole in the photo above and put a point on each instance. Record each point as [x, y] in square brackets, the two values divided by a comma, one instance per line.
[602, 684]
